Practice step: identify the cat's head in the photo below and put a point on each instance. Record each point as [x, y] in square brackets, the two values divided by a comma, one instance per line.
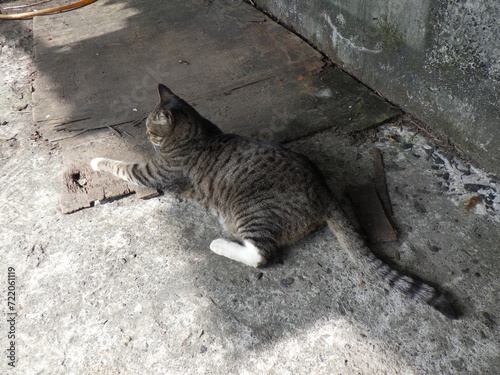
[173, 121]
[167, 119]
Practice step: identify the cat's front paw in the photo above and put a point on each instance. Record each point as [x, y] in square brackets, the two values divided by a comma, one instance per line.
[94, 163]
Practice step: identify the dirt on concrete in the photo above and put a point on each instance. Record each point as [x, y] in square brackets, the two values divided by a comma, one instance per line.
[130, 287]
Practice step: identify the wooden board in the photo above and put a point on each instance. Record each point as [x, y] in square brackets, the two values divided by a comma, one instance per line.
[99, 66]
[370, 214]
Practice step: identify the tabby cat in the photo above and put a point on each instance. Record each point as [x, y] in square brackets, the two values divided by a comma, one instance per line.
[264, 193]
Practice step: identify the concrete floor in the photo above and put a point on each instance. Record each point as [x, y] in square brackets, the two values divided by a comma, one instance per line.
[128, 287]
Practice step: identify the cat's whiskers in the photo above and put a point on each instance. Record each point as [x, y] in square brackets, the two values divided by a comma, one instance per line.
[156, 148]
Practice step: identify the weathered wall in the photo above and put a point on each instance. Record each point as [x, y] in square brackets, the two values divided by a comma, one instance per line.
[437, 59]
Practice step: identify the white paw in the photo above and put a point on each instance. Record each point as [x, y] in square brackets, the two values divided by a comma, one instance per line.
[94, 163]
[219, 246]
[247, 254]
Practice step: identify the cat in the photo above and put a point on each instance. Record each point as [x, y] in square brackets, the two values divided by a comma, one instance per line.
[264, 193]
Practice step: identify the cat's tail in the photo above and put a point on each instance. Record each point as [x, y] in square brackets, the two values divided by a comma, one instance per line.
[409, 286]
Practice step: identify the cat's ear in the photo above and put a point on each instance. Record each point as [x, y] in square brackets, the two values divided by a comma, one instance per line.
[165, 93]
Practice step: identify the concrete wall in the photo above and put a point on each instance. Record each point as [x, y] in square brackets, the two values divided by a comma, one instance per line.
[437, 59]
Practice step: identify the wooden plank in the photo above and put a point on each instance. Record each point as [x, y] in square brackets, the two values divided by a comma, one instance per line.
[107, 58]
[100, 65]
[370, 214]
[380, 183]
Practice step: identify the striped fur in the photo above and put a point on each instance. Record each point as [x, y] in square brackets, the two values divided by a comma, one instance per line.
[409, 286]
[265, 194]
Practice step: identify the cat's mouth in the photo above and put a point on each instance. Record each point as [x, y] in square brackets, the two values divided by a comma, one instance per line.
[155, 142]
